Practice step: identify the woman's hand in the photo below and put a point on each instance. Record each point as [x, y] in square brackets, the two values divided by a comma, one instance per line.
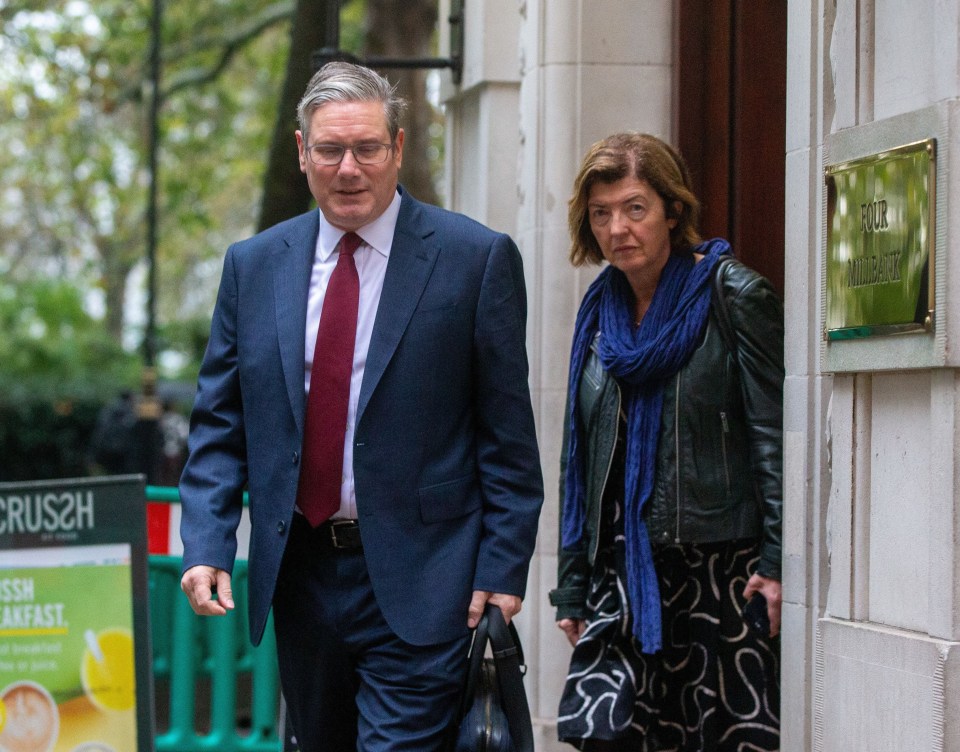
[573, 629]
[772, 592]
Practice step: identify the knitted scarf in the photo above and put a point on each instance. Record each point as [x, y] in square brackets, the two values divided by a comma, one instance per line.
[641, 359]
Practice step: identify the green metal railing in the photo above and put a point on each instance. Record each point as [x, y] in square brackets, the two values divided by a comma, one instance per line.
[192, 653]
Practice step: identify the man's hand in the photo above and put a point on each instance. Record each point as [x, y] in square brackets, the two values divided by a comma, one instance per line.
[772, 592]
[200, 583]
[509, 604]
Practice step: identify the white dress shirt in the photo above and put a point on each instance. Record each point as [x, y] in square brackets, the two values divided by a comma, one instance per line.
[371, 260]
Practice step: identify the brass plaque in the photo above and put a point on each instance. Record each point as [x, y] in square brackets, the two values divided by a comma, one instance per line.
[880, 231]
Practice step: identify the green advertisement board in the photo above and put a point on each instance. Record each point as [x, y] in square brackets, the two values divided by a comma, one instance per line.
[74, 632]
[880, 231]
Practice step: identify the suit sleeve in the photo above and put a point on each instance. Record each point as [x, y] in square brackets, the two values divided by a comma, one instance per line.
[507, 455]
[211, 487]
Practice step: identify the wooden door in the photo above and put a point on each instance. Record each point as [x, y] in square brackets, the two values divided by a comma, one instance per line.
[731, 118]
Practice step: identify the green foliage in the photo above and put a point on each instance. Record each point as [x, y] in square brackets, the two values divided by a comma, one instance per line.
[74, 94]
[74, 85]
[40, 439]
[352, 15]
[187, 338]
[52, 349]
[57, 368]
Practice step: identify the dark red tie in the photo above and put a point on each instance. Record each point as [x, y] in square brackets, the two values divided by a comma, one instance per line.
[326, 422]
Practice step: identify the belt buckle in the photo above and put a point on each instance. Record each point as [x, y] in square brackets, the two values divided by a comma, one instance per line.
[334, 524]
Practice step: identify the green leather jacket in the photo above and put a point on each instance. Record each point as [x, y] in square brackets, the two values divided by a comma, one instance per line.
[719, 465]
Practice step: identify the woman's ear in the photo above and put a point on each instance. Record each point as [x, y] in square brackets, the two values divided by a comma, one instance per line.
[674, 211]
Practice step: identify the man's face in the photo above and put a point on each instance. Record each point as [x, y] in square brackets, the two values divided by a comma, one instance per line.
[350, 194]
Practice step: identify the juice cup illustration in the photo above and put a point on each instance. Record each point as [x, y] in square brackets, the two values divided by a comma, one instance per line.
[107, 670]
[29, 719]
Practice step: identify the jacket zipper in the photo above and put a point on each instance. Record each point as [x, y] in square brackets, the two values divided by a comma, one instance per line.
[723, 447]
[676, 450]
[606, 477]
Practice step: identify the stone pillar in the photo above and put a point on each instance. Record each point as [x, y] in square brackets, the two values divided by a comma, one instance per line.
[588, 69]
[871, 563]
[518, 126]
[482, 136]
[806, 390]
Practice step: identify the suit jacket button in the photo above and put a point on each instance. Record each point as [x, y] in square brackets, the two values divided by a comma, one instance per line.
[296, 457]
[281, 526]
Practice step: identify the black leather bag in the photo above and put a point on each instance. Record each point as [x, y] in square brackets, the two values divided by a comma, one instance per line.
[494, 714]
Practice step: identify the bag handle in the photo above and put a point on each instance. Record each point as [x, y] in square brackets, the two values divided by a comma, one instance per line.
[508, 656]
[720, 305]
[478, 646]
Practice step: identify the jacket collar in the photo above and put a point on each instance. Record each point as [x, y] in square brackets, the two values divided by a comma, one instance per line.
[291, 260]
[412, 258]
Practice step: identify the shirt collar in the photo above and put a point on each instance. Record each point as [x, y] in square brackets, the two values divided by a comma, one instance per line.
[377, 234]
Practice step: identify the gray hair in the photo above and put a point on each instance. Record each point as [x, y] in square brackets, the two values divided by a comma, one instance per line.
[346, 82]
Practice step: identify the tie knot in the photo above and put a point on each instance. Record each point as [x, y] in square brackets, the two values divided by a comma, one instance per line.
[349, 243]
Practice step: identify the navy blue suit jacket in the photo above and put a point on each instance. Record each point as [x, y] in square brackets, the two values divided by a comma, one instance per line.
[448, 481]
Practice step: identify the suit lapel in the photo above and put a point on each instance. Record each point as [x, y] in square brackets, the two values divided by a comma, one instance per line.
[292, 262]
[412, 257]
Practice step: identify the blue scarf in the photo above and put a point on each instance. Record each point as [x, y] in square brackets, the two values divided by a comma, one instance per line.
[642, 359]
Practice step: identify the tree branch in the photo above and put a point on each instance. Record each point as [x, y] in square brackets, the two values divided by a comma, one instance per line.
[230, 46]
[282, 10]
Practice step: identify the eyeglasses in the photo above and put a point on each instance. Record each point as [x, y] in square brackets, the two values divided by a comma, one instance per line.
[328, 155]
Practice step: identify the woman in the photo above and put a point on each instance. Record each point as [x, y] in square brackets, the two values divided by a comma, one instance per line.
[671, 472]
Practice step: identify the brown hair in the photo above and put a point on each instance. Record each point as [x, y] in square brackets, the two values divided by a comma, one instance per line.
[644, 157]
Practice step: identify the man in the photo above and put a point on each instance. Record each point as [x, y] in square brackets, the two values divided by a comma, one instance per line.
[431, 457]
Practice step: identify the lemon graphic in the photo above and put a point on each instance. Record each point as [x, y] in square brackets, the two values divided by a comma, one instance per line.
[3, 715]
[106, 669]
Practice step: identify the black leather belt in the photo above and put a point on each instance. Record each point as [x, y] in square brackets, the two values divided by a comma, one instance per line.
[340, 534]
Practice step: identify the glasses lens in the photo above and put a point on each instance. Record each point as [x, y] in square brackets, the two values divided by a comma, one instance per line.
[326, 154]
[331, 154]
[370, 153]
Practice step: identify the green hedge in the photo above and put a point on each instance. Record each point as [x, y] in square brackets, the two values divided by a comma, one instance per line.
[40, 438]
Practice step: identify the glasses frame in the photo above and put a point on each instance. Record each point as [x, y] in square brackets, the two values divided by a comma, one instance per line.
[344, 149]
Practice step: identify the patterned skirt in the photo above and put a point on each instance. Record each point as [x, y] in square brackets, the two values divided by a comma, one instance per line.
[715, 685]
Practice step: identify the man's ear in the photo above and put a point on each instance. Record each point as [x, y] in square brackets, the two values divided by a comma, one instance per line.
[398, 148]
[300, 151]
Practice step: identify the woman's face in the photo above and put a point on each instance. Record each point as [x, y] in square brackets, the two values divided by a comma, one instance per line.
[628, 219]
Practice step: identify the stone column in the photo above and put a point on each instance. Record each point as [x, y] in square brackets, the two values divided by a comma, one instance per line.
[871, 650]
[587, 69]
[543, 79]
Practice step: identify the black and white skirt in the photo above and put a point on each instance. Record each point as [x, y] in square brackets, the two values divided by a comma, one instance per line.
[715, 685]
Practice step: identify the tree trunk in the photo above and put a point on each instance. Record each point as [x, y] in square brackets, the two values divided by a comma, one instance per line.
[404, 29]
[114, 281]
[285, 190]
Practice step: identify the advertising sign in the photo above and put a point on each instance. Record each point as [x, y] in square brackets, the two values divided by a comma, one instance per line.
[74, 642]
